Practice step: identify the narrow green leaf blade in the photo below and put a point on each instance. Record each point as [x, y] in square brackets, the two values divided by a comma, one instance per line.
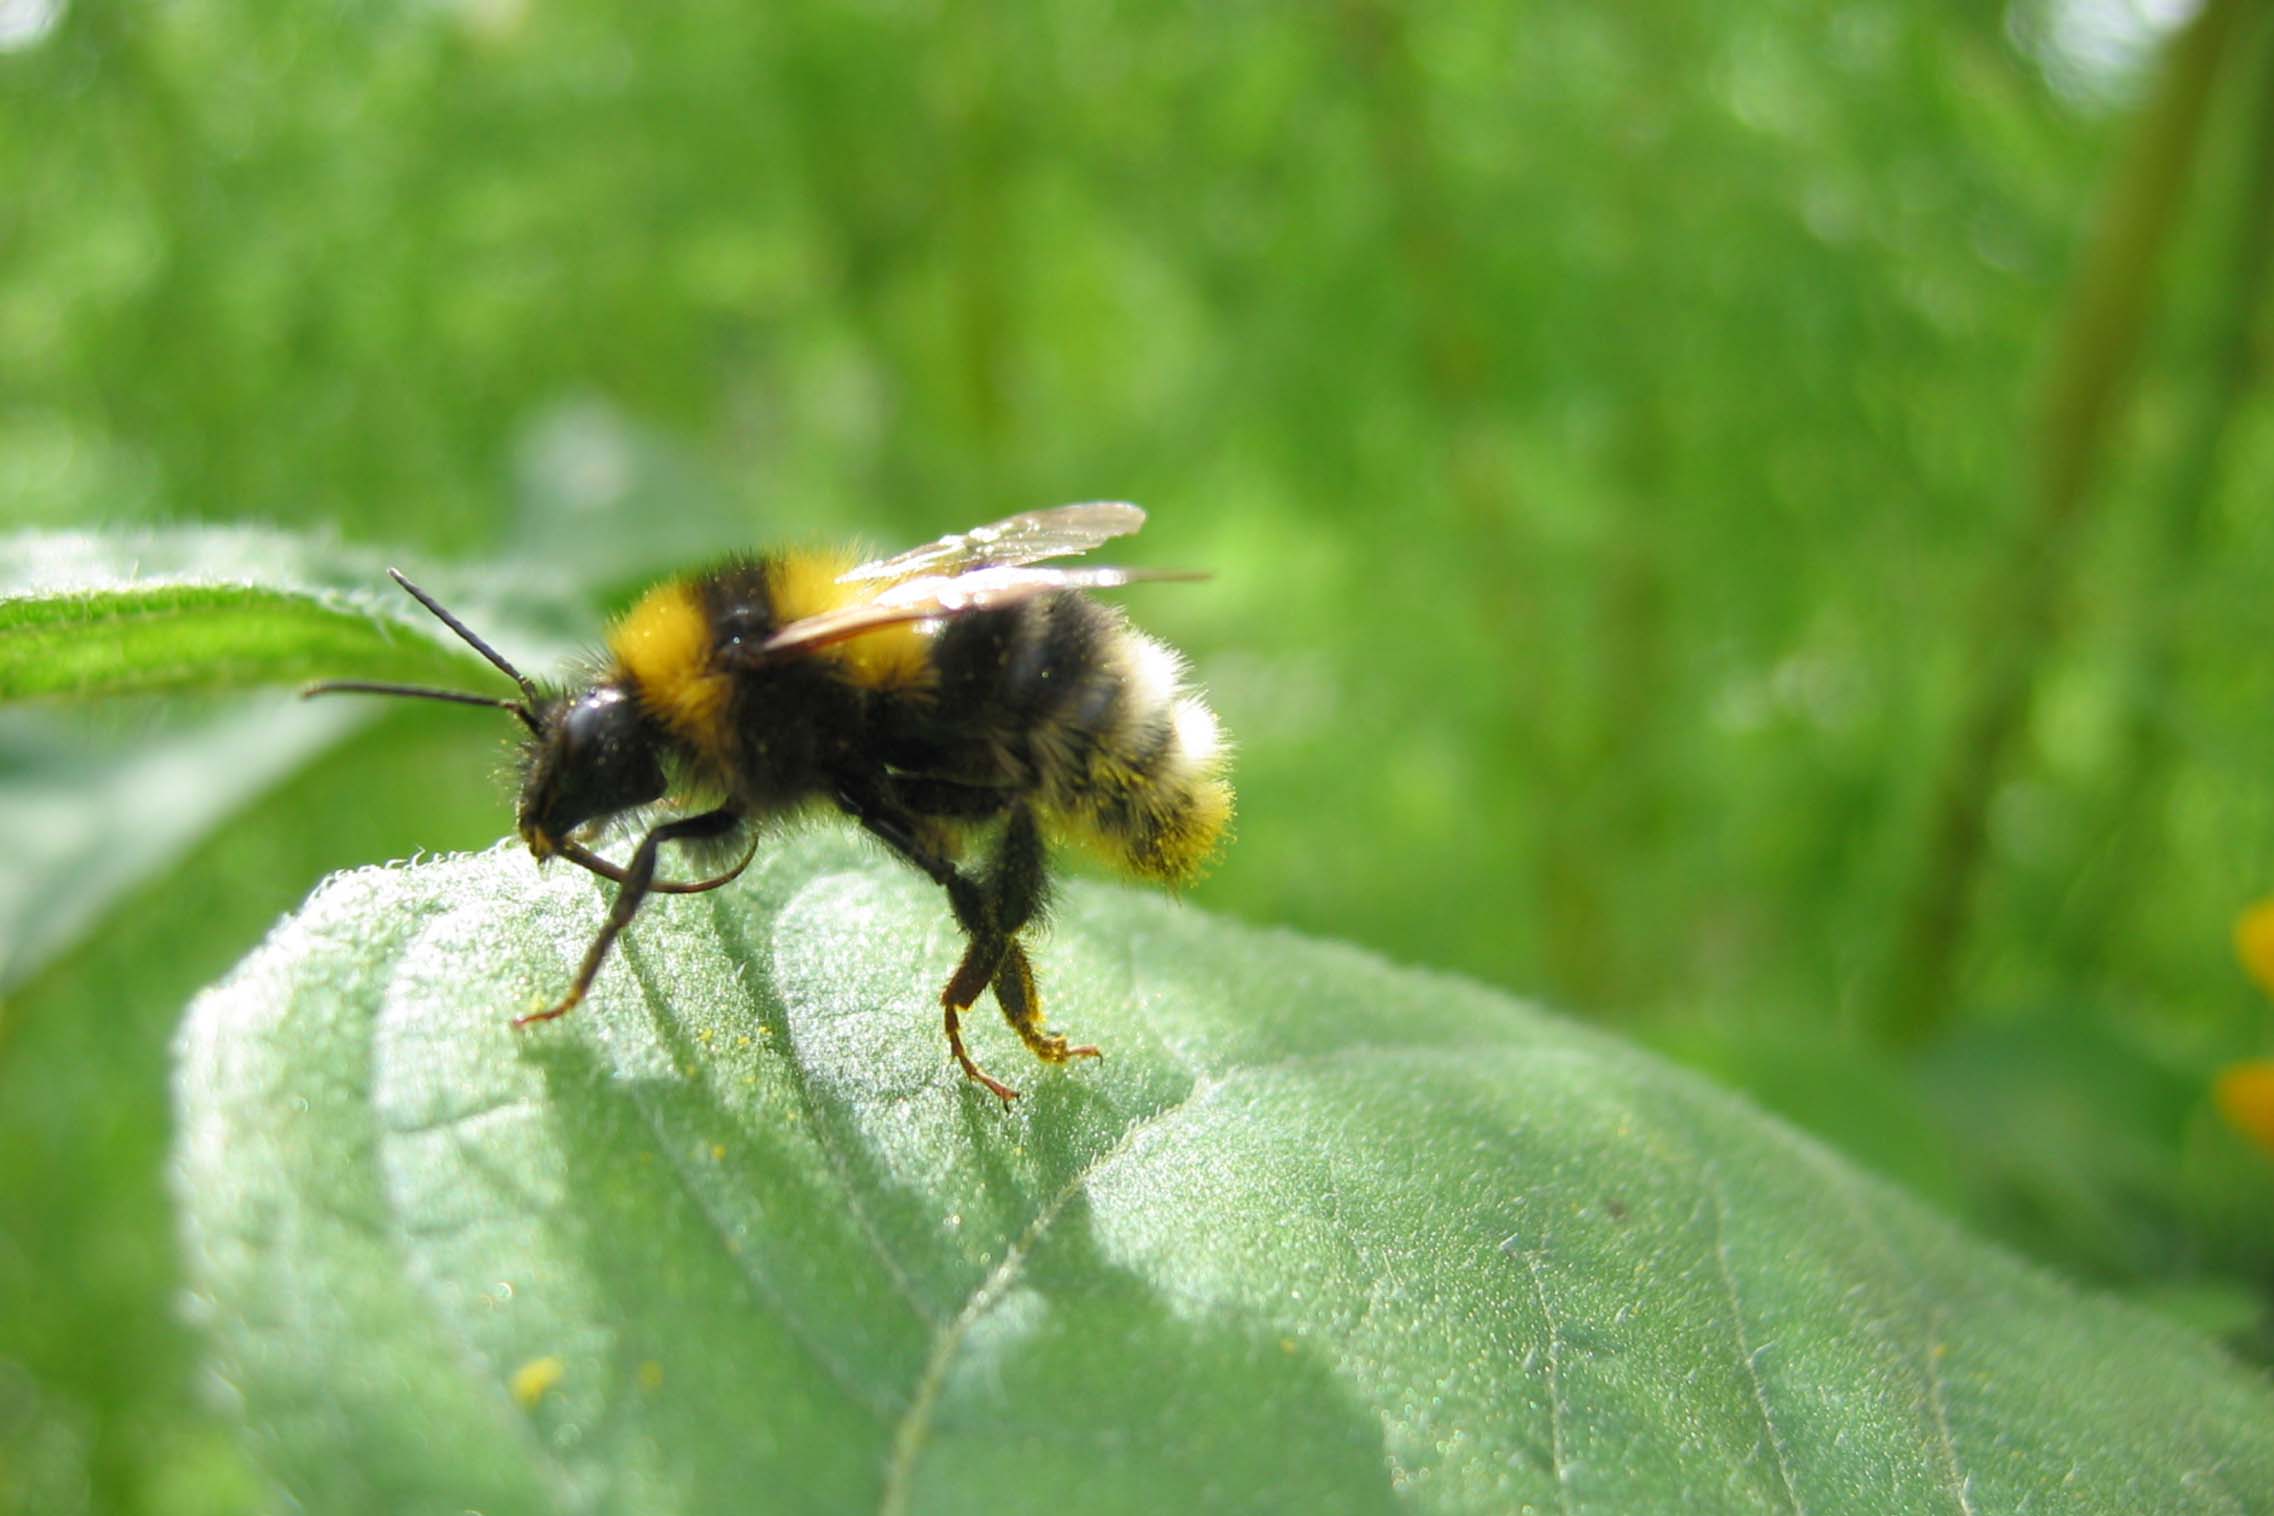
[176, 637]
[1316, 1234]
[86, 614]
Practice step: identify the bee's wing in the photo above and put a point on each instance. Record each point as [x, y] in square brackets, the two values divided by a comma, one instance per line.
[1060, 532]
[934, 597]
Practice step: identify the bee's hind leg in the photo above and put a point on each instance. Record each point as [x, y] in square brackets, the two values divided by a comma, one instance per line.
[1019, 886]
[974, 912]
[1022, 1007]
[991, 914]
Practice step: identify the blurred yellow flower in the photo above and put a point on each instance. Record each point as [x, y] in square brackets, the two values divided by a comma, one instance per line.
[2245, 1092]
[2254, 943]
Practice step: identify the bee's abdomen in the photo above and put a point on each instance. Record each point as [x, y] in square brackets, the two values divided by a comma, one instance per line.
[1098, 719]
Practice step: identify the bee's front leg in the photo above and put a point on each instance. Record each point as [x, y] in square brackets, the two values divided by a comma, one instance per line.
[638, 877]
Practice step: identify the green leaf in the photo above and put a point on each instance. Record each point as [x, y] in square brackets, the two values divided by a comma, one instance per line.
[1316, 1234]
[112, 613]
[96, 798]
[93, 806]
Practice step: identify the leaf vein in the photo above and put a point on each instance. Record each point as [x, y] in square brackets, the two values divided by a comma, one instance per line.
[1748, 1355]
[817, 1119]
[402, 1239]
[1961, 1482]
[753, 1281]
[908, 1437]
[1559, 1461]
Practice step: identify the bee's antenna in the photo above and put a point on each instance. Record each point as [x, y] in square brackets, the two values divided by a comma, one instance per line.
[528, 690]
[525, 708]
[421, 692]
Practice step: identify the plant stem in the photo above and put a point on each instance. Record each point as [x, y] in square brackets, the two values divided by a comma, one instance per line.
[2086, 380]
[2233, 359]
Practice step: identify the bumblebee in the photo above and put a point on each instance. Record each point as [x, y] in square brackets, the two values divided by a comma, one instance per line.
[957, 696]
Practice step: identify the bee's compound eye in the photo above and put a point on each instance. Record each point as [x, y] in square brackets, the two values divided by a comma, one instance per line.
[604, 757]
[602, 716]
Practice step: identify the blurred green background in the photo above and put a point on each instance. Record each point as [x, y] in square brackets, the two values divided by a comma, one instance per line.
[1745, 521]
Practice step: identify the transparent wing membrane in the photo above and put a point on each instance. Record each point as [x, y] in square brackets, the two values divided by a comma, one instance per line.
[1061, 532]
[935, 596]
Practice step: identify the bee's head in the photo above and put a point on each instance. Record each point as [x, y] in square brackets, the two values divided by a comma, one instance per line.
[589, 756]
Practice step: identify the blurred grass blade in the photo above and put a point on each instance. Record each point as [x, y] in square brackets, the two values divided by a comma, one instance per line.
[1315, 1235]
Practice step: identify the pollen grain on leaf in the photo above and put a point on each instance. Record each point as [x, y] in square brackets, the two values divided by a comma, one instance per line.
[534, 1379]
